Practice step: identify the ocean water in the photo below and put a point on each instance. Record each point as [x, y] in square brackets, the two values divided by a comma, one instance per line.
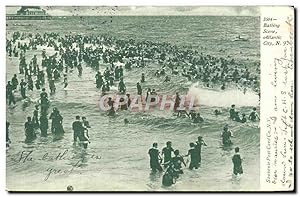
[124, 163]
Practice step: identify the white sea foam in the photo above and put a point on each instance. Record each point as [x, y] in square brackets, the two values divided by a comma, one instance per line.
[225, 98]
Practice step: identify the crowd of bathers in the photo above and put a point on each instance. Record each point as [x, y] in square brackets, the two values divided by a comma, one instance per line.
[113, 56]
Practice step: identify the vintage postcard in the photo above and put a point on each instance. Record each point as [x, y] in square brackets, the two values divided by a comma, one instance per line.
[149, 98]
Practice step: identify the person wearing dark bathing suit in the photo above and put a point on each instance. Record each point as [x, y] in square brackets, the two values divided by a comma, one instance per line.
[14, 82]
[148, 93]
[169, 177]
[155, 158]
[176, 161]
[84, 137]
[29, 131]
[126, 121]
[23, 88]
[237, 162]
[128, 100]
[56, 125]
[10, 94]
[217, 112]
[237, 117]
[65, 80]
[254, 115]
[139, 88]
[143, 78]
[44, 93]
[77, 128]
[206, 69]
[44, 101]
[192, 115]
[226, 136]
[177, 102]
[232, 112]
[35, 117]
[198, 119]
[194, 163]
[198, 148]
[44, 124]
[85, 123]
[167, 153]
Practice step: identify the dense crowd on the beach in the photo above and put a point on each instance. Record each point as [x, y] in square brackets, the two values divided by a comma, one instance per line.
[75, 52]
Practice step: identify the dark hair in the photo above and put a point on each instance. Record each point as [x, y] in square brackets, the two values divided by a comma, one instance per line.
[176, 152]
[237, 149]
[154, 144]
[232, 105]
[254, 108]
[77, 117]
[169, 142]
[83, 117]
[192, 144]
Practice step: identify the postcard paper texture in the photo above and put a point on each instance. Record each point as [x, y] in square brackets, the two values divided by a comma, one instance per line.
[277, 90]
[149, 98]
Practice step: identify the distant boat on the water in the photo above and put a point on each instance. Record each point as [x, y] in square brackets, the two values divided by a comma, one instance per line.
[239, 38]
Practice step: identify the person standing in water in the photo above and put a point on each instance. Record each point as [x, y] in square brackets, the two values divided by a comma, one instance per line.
[29, 131]
[148, 93]
[10, 94]
[167, 153]
[226, 136]
[176, 161]
[84, 137]
[44, 101]
[56, 125]
[237, 162]
[77, 128]
[44, 124]
[65, 80]
[14, 82]
[35, 117]
[85, 122]
[139, 88]
[79, 67]
[154, 158]
[23, 88]
[52, 85]
[177, 102]
[43, 93]
[232, 112]
[143, 78]
[194, 163]
[198, 148]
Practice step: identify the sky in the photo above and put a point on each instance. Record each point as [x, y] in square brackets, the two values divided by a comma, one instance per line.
[144, 10]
